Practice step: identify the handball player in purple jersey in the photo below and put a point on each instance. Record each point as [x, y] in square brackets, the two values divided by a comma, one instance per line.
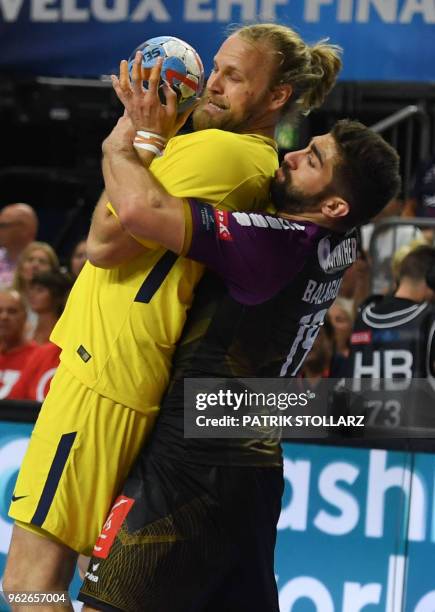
[195, 526]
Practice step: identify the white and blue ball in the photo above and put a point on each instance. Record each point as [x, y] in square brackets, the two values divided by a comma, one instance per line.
[182, 67]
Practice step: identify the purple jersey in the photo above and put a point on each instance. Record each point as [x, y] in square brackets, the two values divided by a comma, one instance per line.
[276, 263]
[256, 254]
[256, 315]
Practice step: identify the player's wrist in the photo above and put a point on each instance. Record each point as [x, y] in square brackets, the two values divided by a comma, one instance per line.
[149, 141]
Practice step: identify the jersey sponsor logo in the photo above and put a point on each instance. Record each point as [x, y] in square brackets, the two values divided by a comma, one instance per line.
[362, 337]
[113, 523]
[207, 219]
[83, 353]
[90, 576]
[15, 498]
[266, 221]
[391, 335]
[340, 258]
[221, 217]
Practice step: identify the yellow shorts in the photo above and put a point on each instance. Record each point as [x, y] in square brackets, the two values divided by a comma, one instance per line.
[81, 450]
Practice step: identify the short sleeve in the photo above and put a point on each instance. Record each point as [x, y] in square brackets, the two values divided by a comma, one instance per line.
[256, 254]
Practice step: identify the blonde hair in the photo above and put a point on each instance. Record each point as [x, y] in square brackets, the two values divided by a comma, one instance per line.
[346, 306]
[310, 70]
[18, 282]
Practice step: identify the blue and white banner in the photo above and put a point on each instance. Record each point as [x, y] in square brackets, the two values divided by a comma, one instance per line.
[357, 531]
[387, 40]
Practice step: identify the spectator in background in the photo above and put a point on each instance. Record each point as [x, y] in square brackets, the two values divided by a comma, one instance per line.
[399, 256]
[323, 360]
[36, 257]
[36, 375]
[15, 351]
[47, 295]
[18, 228]
[356, 284]
[317, 364]
[394, 238]
[401, 325]
[394, 339]
[78, 258]
[341, 318]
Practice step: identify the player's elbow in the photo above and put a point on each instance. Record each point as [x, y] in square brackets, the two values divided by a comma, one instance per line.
[101, 255]
[138, 216]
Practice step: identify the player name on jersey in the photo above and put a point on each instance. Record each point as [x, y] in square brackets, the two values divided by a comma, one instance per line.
[318, 293]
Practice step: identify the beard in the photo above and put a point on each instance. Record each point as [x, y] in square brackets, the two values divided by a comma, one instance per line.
[202, 120]
[225, 120]
[288, 198]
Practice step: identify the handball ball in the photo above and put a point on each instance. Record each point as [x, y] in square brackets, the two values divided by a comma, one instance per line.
[182, 67]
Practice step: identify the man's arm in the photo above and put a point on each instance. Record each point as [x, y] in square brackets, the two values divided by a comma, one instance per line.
[143, 206]
[108, 245]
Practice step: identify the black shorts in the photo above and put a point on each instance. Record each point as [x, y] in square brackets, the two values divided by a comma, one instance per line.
[189, 538]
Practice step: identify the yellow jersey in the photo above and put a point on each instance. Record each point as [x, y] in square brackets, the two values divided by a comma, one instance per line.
[120, 326]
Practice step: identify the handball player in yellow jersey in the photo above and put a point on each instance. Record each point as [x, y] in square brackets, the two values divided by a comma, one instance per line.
[121, 324]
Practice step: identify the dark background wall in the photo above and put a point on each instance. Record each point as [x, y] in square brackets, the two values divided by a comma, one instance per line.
[52, 130]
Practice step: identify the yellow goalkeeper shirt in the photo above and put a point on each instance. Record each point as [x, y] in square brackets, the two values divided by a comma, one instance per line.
[120, 326]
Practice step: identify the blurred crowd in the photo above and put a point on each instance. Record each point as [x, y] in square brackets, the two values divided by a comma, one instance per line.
[34, 288]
